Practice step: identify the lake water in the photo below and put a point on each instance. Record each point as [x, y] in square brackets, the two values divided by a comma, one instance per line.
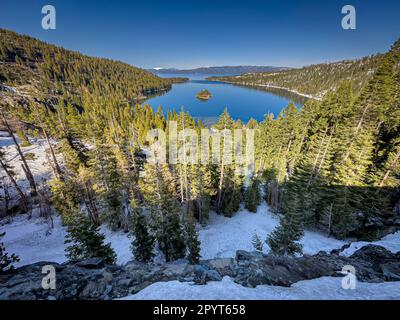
[242, 102]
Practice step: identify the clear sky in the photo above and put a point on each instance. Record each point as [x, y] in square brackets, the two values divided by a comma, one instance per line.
[191, 33]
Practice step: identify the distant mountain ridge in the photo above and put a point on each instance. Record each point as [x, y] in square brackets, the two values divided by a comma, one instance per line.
[233, 70]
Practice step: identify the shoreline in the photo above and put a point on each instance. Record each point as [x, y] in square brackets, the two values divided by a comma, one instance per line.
[272, 87]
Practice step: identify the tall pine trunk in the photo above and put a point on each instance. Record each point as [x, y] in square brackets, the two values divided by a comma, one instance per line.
[10, 176]
[25, 167]
[57, 169]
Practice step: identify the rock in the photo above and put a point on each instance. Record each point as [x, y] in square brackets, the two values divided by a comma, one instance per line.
[374, 254]
[203, 275]
[92, 279]
[92, 263]
[245, 255]
[92, 289]
[391, 271]
[212, 275]
[200, 269]
[282, 271]
[106, 295]
[108, 277]
[338, 251]
[224, 266]
[174, 270]
[124, 282]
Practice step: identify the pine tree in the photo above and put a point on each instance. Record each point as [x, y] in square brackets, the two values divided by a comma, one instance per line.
[6, 261]
[85, 180]
[64, 197]
[192, 242]
[143, 242]
[23, 137]
[231, 193]
[257, 243]
[85, 241]
[159, 192]
[11, 176]
[252, 196]
[103, 172]
[24, 165]
[201, 191]
[71, 157]
[284, 239]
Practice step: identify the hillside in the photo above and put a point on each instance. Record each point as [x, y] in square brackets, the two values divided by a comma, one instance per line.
[31, 66]
[233, 70]
[314, 80]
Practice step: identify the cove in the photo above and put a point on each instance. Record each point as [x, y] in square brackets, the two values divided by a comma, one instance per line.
[242, 102]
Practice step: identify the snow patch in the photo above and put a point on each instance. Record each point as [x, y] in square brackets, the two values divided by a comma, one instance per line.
[391, 242]
[33, 241]
[222, 237]
[325, 288]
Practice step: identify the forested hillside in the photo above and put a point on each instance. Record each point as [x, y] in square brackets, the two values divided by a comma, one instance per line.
[333, 165]
[55, 72]
[314, 80]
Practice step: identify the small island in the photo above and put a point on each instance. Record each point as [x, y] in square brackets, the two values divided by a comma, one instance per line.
[204, 95]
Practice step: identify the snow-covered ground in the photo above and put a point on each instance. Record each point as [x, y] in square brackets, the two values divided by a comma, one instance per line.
[39, 165]
[390, 242]
[325, 288]
[34, 241]
[223, 236]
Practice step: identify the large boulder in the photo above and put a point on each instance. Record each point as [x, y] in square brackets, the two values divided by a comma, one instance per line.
[224, 266]
[91, 263]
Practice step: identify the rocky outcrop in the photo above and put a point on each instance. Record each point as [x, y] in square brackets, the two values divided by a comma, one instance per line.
[92, 279]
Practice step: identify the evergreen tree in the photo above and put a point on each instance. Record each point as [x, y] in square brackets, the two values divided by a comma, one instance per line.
[11, 176]
[143, 242]
[23, 137]
[257, 243]
[283, 240]
[85, 241]
[6, 261]
[252, 197]
[160, 196]
[64, 198]
[192, 242]
[24, 165]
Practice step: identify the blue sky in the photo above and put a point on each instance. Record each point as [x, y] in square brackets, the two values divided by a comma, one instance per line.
[188, 34]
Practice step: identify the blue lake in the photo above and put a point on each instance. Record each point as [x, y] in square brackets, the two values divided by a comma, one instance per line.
[242, 102]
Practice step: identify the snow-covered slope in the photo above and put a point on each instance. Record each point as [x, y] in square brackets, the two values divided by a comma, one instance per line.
[325, 288]
[223, 236]
[34, 241]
